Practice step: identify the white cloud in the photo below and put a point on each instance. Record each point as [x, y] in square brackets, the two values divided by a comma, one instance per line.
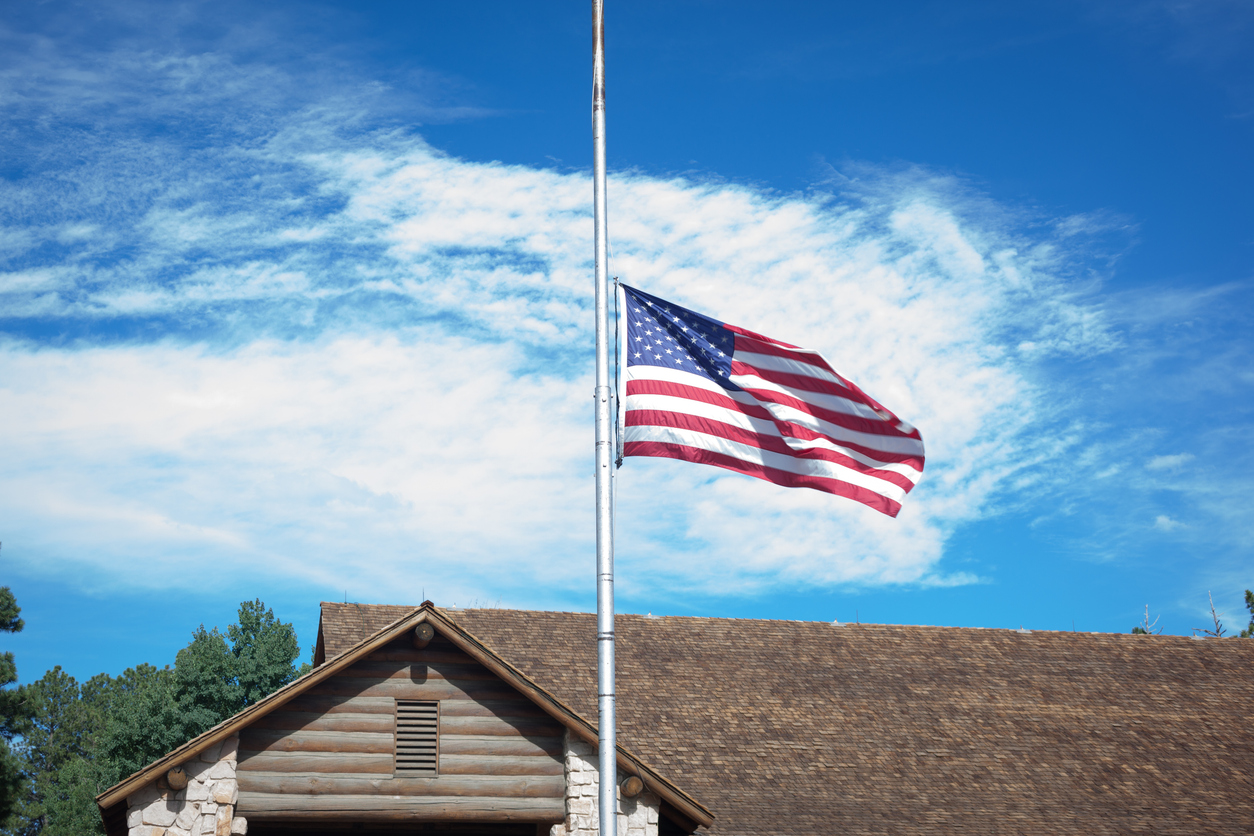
[1169, 462]
[1165, 523]
[432, 405]
[316, 346]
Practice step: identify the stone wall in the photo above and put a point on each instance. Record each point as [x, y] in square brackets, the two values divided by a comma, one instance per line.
[205, 807]
[636, 816]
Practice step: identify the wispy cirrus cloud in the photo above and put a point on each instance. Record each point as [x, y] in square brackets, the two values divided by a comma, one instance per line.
[292, 339]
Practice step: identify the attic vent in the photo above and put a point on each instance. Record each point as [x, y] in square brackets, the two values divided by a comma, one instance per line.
[417, 739]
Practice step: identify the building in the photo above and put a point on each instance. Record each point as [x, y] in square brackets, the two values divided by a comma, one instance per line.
[482, 723]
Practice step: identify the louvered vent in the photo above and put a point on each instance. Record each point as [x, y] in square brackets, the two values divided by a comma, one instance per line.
[417, 739]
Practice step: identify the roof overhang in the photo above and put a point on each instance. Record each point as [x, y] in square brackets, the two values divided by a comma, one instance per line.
[677, 799]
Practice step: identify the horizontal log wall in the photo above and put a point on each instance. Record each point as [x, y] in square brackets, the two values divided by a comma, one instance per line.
[328, 754]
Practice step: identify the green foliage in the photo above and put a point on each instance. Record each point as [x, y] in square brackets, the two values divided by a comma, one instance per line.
[1138, 630]
[216, 681]
[143, 721]
[72, 810]
[13, 714]
[264, 649]
[64, 729]
[80, 741]
[1248, 632]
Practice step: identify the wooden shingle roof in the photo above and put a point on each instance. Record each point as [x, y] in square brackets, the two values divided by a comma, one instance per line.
[784, 727]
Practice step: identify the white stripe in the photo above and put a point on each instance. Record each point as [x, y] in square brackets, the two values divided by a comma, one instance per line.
[783, 414]
[875, 441]
[713, 412]
[832, 403]
[839, 403]
[683, 378]
[766, 458]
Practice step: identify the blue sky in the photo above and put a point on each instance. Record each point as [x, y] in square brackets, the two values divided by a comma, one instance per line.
[295, 303]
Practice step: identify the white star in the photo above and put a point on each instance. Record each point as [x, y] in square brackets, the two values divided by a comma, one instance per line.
[678, 361]
[638, 355]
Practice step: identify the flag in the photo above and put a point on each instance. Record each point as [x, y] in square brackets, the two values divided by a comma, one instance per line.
[704, 391]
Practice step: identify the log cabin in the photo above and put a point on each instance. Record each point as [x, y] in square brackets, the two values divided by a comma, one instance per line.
[481, 722]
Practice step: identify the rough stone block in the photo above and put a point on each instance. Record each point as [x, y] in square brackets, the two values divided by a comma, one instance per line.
[197, 791]
[230, 749]
[225, 791]
[176, 831]
[222, 827]
[208, 808]
[581, 807]
[579, 779]
[187, 816]
[202, 772]
[579, 746]
[222, 769]
[211, 753]
[239, 826]
[134, 817]
[144, 796]
[161, 813]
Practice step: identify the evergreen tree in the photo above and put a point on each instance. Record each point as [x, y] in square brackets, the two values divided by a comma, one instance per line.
[1248, 632]
[59, 739]
[13, 714]
[82, 740]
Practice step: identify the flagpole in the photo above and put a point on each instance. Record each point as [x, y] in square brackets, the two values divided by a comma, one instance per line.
[604, 396]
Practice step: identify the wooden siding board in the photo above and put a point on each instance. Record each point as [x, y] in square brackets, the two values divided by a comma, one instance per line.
[499, 756]
[504, 786]
[264, 806]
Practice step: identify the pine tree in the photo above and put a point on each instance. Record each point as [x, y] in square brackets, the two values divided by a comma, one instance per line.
[13, 714]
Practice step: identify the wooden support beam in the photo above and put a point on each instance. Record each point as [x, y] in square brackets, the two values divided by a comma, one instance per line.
[260, 807]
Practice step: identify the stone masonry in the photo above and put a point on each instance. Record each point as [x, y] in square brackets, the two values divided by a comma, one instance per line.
[205, 807]
[636, 816]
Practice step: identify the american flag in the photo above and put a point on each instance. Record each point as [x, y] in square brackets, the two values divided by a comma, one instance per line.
[704, 391]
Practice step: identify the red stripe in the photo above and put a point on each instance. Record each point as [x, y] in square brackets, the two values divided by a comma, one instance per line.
[759, 346]
[773, 444]
[756, 345]
[790, 480]
[679, 390]
[840, 419]
[753, 335]
[694, 393]
[801, 383]
[794, 380]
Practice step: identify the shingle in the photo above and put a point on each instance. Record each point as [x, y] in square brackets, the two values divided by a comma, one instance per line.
[784, 727]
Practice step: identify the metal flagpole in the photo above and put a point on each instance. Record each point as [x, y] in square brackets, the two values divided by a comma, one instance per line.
[604, 395]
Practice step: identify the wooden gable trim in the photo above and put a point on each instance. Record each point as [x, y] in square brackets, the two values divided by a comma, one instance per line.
[577, 725]
[685, 804]
[257, 710]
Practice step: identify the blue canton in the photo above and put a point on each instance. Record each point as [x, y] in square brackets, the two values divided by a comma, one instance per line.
[661, 333]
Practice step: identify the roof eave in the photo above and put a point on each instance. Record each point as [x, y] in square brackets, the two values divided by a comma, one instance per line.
[467, 643]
